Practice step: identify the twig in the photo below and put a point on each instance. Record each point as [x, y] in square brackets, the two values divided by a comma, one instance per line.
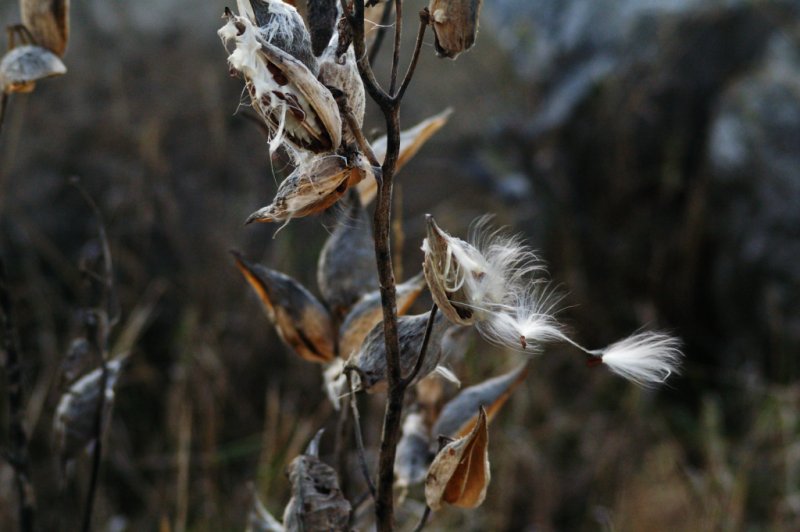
[384, 24]
[18, 454]
[398, 31]
[362, 459]
[424, 519]
[363, 145]
[423, 348]
[356, 20]
[424, 22]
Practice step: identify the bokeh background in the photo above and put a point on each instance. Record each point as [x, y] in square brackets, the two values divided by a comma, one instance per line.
[650, 150]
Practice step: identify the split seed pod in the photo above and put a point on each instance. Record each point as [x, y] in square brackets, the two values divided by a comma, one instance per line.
[314, 186]
[459, 475]
[74, 423]
[48, 22]
[368, 312]
[281, 25]
[370, 359]
[317, 503]
[413, 456]
[346, 267]
[411, 140]
[23, 66]
[293, 103]
[301, 320]
[459, 416]
[455, 25]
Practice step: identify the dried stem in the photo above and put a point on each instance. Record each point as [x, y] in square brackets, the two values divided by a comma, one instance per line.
[423, 348]
[424, 519]
[398, 31]
[18, 452]
[424, 22]
[362, 459]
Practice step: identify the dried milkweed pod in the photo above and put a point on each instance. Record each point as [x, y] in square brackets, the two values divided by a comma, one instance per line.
[413, 455]
[75, 420]
[459, 474]
[24, 65]
[317, 502]
[322, 15]
[314, 186]
[459, 416]
[48, 23]
[280, 25]
[411, 140]
[340, 72]
[283, 90]
[346, 266]
[368, 312]
[369, 361]
[455, 25]
[301, 320]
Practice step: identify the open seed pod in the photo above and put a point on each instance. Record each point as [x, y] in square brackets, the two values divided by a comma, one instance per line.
[287, 95]
[346, 267]
[455, 25]
[413, 455]
[368, 312]
[411, 140]
[24, 65]
[317, 503]
[281, 25]
[314, 186]
[75, 419]
[48, 23]
[370, 359]
[302, 322]
[459, 416]
[459, 474]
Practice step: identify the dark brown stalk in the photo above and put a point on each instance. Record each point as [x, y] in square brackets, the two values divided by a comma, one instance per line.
[423, 348]
[424, 519]
[398, 32]
[381, 32]
[18, 438]
[424, 21]
[362, 459]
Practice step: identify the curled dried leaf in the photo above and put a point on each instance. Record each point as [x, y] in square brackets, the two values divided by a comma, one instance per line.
[317, 503]
[23, 66]
[413, 454]
[314, 186]
[455, 25]
[459, 416]
[370, 359]
[346, 267]
[302, 322]
[368, 312]
[411, 140]
[459, 474]
[48, 22]
[295, 106]
[75, 418]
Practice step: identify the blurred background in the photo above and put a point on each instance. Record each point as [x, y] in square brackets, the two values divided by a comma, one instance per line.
[650, 150]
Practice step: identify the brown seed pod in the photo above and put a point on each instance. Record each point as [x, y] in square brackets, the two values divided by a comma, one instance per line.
[302, 322]
[314, 186]
[459, 416]
[75, 418]
[346, 267]
[455, 25]
[296, 107]
[370, 360]
[368, 312]
[413, 456]
[411, 140]
[24, 65]
[459, 474]
[321, 18]
[48, 22]
[317, 503]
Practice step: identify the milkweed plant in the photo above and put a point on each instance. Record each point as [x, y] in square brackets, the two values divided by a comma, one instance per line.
[307, 79]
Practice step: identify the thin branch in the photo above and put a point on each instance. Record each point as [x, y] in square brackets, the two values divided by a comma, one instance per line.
[356, 20]
[423, 348]
[362, 459]
[398, 32]
[18, 453]
[424, 519]
[362, 142]
[381, 32]
[424, 22]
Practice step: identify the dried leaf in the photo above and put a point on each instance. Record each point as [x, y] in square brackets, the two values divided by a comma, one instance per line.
[370, 359]
[75, 418]
[459, 474]
[322, 15]
[346, 267]
[23, 66]
[411, 140]
[459, 416]
[48, 22]
[455, 25]
[314, 186]
[413, 454]
[260, 520]
[368, 312]
[301, 320]
[317, 503]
